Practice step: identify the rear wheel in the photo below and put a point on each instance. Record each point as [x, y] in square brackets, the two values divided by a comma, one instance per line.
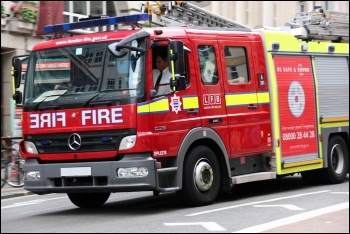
[88, 200]
[338, 161]
[201, 178]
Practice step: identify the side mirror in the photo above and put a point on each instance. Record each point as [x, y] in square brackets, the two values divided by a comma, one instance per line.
[179, 83]
[17, 97]
[117, 53]
[121, 48]
[176, 57]
[152, 93]
[16, 71]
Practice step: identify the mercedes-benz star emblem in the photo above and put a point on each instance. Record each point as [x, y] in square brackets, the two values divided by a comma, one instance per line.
[74, 141]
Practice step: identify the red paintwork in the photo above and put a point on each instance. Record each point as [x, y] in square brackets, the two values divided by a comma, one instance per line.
[298, 134]
[74, 120]
[240, 129]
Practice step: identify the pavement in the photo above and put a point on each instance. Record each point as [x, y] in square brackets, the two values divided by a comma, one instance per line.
[8, 192]
[333, 222]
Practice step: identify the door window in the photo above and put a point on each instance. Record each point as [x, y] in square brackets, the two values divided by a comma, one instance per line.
[236, 65]
[208, 66]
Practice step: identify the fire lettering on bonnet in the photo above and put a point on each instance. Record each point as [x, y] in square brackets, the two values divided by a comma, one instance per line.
[88, 117]
[102, 116]
[49, 120]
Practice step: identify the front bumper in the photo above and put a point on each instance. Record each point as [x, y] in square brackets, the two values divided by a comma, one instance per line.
[102, 178]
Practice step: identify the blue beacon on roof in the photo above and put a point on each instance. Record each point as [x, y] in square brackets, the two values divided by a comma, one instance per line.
[95, 23]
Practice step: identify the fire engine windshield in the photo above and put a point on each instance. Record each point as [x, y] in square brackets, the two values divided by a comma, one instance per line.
[81, 74]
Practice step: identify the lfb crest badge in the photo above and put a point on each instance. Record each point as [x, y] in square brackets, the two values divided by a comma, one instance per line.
[175, 104]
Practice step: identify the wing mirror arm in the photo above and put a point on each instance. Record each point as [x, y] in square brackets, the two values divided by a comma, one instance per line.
[179, 83]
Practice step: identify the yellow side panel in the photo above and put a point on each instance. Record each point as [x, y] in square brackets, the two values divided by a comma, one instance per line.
[291, 46]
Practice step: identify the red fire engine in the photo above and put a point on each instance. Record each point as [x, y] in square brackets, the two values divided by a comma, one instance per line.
[245, 105]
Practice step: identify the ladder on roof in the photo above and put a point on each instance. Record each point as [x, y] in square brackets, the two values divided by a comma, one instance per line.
[180, 13]
[321, 25]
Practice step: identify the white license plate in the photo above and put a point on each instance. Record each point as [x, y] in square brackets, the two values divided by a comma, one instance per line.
[76, 171]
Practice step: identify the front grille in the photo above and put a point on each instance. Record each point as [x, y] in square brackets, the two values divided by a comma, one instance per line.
[90, 141]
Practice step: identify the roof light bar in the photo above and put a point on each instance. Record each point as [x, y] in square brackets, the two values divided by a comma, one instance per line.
[95, 23]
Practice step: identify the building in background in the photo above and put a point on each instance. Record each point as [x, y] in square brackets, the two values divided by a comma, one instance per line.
[20, 32]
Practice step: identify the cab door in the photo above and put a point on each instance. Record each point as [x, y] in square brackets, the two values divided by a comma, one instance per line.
[173, 115]
[210, 85]
[240, 87]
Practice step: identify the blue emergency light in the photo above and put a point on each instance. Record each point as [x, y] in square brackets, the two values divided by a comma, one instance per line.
[95, 23]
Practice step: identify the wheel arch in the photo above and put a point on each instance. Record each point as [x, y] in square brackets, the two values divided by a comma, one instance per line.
[209, 138]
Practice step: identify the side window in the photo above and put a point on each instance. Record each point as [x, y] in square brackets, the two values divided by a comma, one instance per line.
[160, 53]
[208, 66]
[236, 65]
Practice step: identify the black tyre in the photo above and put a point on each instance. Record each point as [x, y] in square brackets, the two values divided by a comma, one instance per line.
[88, 200]
[201, 178]
[338, 161]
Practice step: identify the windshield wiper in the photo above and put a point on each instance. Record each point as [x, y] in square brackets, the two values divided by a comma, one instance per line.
[90, 102]
[90, 99]
[37, 106]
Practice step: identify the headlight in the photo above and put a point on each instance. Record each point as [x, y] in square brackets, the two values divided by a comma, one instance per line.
[132, 172]
[30, 147]
[32, 175]
[127, 142]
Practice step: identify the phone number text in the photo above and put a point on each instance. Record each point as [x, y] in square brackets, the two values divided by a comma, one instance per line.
[298, 135]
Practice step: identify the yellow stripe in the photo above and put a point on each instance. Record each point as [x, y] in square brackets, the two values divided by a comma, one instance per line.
[331, 120]
[143, 108]
[190, 103]
[159, 105]
[274, 110]
[156, 106]
[240, 99]
[13, 83]
[289, 165]
[264, 97]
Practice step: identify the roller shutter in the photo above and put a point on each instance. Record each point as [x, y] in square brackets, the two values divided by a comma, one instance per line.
[333, 86]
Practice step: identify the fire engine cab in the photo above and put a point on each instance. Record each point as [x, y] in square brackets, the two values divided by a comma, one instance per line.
[244, 105]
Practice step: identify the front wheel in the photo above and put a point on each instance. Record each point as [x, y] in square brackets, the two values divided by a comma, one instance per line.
[201, 178]
[88, 200]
